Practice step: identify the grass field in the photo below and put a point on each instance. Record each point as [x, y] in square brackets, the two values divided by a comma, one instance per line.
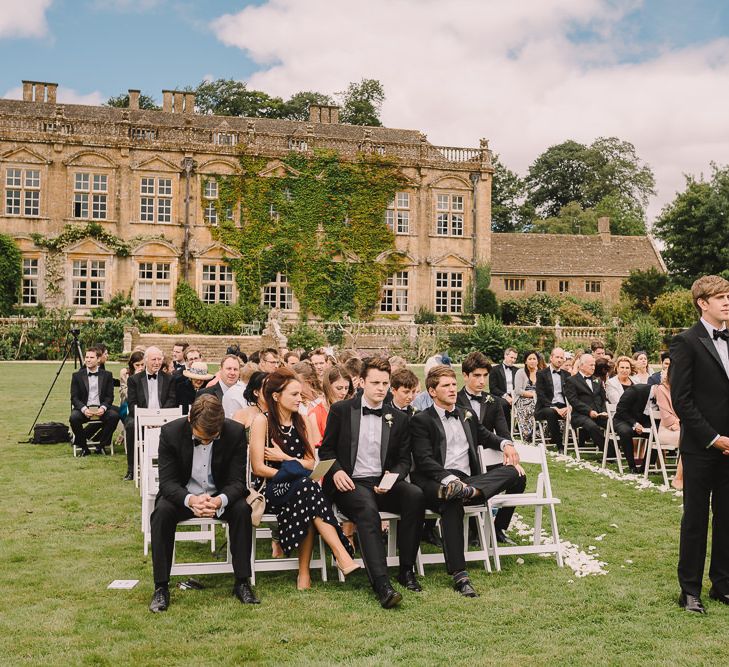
[71, 526]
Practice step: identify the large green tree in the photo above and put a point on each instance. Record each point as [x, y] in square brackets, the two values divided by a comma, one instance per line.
[507, 198]
[694, 228]
[122, 102]
[11, 270]
[228, 97]
[644, 287]
[362, 103]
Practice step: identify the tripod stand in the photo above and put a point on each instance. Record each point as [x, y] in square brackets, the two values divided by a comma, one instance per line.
[72, 347]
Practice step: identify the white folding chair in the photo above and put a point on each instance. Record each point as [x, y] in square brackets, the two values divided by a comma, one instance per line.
[514, 428]
[538, 430]
[655, 443]
[540, 498]
[145, 418]
[612, 437]
[93, 432]
[572, 437]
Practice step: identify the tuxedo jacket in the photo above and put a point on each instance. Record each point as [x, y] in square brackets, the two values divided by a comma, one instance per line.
[80, 388]
[491, 414]
[699, 389]
[341, 440]
[545, 387]
[429, 444]
[138, 393]
[582, 398]
[228, 461]
[215, 390]
[497, 379]
[631, 406]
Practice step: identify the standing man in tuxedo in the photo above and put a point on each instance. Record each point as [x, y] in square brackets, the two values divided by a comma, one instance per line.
[700, 396]
[92, 395]
[586, 395]
[178, 355]
[631, 421]
[551, 406]
[448, 468]
[149, 389]
[202, 459]
[501, 382]
[368, 438]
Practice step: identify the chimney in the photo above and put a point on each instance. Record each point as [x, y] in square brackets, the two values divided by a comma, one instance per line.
[27, 91]
[189, 102]
[167, 101]
[179, 102]
[51, 90]
[134, 99]
[323, 113]
[603, 229]
[39, 91]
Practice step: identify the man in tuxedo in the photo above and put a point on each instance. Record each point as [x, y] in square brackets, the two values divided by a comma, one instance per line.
[665, 363]
[551, 406]
[367, 438]
[448, 469]
[149, 389]
[92, 395]
[228, 377]
[403, 385]
[202, 459]
[700, 396]
[178, 355]
[501, 380]
[586, 395]
[630, 420]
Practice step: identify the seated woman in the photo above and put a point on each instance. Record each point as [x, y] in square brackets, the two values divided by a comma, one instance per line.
[253, 394]
[281, 453]
[641, 370]
[670, 427]
[134, 365]
[311, 389]
[337, 386]
[525, 392]
[615, 386]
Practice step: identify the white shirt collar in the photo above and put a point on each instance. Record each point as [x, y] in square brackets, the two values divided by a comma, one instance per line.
[710, 328]
[441, 411]
[365, 402]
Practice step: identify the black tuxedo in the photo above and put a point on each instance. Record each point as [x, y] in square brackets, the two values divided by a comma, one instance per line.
[185, 392]
[228, 464]
[497, 379]
[629, 411]
[362, 506]
[429, 452]
[583, 399]
[216, 390]
[492, 412]
[408, 411]
[544, 409]
[79, 400]
[700, 396]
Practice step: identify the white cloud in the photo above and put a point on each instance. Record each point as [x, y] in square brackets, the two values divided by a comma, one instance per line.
[23, 19]
[465, 69]
[64, 96]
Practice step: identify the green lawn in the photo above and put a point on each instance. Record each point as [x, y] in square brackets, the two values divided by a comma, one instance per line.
[71, 526]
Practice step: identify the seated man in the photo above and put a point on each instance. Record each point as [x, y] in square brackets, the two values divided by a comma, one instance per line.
[630, 420]
[551, 406]
[448, 467]
[227, 378]
[404, 384]
[202, 459]
[665, 363]
[92, 395]
[586, 395]
[367, 438]
[501, 382]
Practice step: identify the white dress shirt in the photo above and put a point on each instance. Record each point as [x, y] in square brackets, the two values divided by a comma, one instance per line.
[233, 399]
[558, 396]
[722, 347]
[152, 395]
[201, 478]
[367, 463]
[456, 444]
[509, 379]
[93, 398]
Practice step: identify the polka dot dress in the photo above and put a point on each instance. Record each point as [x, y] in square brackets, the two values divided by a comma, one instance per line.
[309, 502]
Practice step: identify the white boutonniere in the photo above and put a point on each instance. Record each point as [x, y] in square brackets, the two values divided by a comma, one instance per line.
[595, 380]
[388, 419]
[415, 410]
[468, 415]
[489, 399]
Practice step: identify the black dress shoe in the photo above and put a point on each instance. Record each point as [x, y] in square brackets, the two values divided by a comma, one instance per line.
[453, 489]
[388, 596]
[85, 452]
[245, 594]
[465, 588]
[503, 538]
[129, 477]
[408, 580]
[160, 600]
[719, 597]
[691, 603]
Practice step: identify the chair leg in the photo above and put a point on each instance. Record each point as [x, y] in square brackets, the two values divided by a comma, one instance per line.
[555, 535]
[323, 558]
[537, 525]
[483, 541]
[494, 543]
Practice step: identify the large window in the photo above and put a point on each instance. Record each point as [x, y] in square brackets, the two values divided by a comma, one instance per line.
[30, 282]
[155, 200]
[217, 283]
[449, 215]
[22, 192]
[397, 215]
[90, 195]
[448, 292]
[154, 285]
[210, 203]
[89, 281]
[593, 286]
[395, 293]
[515, 284]
[278, 293]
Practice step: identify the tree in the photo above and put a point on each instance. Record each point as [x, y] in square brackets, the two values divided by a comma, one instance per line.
[122, 102]
[694, 228]
[572, 219]
[297, 106]
[11, 273]
[228, 97]
[644, 287]
[507, 197]
[674, 309]
[362, 102]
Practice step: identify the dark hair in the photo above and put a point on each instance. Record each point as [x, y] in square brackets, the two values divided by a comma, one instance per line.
[473, 361]
[665, 355]
[182, 344]
[269, 350]
[540, 359]
[403, 378]
[319, 351]
[288, 356]
[377, 364]
[596, 345]
[255, 357]
[602, 368]
[101, 347]
[354, 366]
[275, 383]
[255, 382]
[207, 414]
[95, 349]
[235, 350]
[134, 358]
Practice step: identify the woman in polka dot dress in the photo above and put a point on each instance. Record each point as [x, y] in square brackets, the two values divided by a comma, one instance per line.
[304, 508]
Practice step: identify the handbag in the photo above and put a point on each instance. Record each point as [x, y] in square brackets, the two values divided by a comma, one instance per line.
[256, 500]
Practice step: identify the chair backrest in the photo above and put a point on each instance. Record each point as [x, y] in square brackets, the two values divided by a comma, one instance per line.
[528, 454]
[150, 462]
[149, 418]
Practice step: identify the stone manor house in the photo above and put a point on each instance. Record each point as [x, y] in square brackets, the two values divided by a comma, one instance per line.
[139, 174]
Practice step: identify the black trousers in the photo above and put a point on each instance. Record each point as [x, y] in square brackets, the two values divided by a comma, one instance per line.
[109, 420]
[625, 434]
[592, 428]
[363, 507]
[500, 478]
[552, 419]
[165, 518]
[129, 434]
[705, 483]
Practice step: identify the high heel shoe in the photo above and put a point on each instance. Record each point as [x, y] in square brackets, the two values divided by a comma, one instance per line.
[349, 569]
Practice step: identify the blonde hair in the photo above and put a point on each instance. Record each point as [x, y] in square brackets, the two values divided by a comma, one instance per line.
[436, 373]
[620, 360]
[706, 287]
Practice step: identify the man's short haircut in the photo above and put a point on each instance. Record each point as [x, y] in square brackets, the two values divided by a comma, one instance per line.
[377, 364]
[95, 349]
[268, 350]
[319, 350]
[404, 378]
[255, 357]
[182, 344]
[597, 345]
[436, 373]
[230, 356]
[191, 348]
[247, 370]
[354, 366]
[473, 361]
[706, 287]
[207, 414]
[152, 348]
[665, 355]
[398, 361]
[101, 347]
[510, 349]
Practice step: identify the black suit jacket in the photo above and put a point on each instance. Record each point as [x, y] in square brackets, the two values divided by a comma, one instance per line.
[215, 390]
[80, 388]
[137, 391]
[497, 379]
[492, 413]
[429, 444]
[228, 461]
[631, 405]
[341, 440]
[545, 387]
[581, 398]
[699, 389]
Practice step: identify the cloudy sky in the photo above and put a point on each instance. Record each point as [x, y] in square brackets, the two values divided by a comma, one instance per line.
[525, 74]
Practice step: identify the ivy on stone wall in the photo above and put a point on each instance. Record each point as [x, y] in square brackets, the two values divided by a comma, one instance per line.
[213, 319]
[321, 223]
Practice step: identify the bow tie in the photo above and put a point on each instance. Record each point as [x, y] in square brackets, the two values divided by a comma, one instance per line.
[453, 414]
[197, 441]
[555, 372]
[93, 374]
[478, 399]
[153, 376]
[371, 411]
[724, 334]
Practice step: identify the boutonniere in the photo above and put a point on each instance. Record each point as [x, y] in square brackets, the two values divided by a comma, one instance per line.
[595, 380]
[468, 415]
[414, 409]
[489, 399]
[388, 419]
